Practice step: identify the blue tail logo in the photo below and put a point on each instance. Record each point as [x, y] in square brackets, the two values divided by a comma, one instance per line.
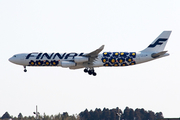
[158, 42]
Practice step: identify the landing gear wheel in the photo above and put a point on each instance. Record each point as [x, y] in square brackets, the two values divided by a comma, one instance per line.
[25, 69]
[90, 72]
[85, 70]
[94, 74]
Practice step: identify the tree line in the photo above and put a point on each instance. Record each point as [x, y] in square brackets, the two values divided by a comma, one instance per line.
[97, 114]
[127, 114]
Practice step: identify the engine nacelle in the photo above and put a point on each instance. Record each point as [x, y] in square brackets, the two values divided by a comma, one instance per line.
[80, 59]
[68, 64]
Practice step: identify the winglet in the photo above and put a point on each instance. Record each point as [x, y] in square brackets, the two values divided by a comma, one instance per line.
[95, 52]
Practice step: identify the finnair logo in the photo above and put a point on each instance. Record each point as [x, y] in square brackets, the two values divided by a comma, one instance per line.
[54, 55]
[158, 42]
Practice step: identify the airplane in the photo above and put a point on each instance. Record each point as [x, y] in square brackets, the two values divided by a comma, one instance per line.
[94, 59]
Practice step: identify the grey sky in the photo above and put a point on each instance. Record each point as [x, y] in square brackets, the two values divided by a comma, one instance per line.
[83, 26]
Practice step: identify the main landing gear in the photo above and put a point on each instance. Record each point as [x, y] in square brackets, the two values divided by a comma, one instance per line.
[25, 70]
[90, 71]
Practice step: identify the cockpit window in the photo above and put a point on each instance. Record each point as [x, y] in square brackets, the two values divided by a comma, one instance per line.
[14, 56]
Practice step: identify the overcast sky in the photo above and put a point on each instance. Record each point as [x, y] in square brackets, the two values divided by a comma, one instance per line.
[83, 26]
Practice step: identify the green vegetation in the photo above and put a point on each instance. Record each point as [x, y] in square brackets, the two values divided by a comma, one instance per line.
[97, 114]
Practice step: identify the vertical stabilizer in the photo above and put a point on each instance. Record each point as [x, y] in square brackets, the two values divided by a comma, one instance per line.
[159, 43]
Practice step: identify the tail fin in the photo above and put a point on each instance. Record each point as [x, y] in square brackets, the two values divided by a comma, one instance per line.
[159, 43]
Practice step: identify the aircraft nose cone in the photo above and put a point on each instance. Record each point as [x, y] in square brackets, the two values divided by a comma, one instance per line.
[11, 59]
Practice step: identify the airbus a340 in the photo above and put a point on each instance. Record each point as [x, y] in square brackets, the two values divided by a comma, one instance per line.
[94, 59]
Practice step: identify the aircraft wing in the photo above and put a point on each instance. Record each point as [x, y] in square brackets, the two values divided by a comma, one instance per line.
[92, 56]
[95, 52]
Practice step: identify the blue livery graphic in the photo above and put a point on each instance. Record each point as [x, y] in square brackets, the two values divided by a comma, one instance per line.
[43, 63]
[54, 55]
[118, 58]
[40, 56]
[158, 42]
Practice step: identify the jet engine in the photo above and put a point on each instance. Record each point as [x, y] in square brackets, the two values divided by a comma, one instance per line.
[68, 64]
[80, 59]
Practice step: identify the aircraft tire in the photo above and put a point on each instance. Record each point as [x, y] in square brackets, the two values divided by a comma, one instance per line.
[25, 70]
[85, 70]
[94, 74]
[90, 72]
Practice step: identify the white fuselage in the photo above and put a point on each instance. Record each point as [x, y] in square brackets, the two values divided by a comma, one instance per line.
[94, 59]
[68, 59]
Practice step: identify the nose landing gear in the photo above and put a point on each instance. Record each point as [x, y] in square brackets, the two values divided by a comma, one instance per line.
[25, 70]
[90, 71]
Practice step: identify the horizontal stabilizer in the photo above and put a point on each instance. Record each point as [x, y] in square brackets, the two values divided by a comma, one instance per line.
[155, 55]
